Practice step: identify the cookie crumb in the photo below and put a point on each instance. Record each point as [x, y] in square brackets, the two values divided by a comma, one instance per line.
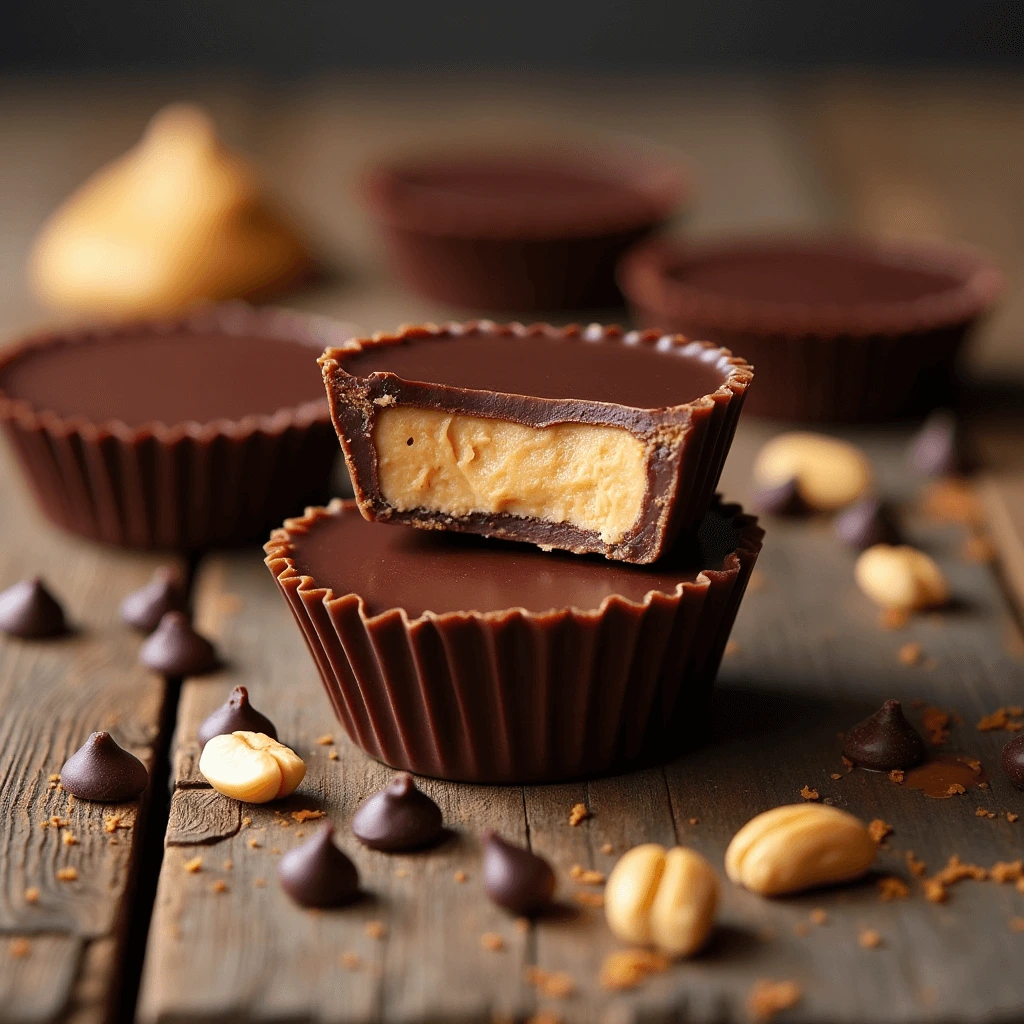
[892, 888]
[896, 775]
[607, 848]
[695, 821]
[847, 764]
[819, 916]
[350, 961]
[981, 812]
[627, 968]
[578, 813]
[521, 925]
[894, 618]
[20, 948]
[1017, 924]
[325, 741]
[246, 822]
[32, 895]
[767, 998]
[259, 883]
[554, 984]
[544, 1017]
[869, 939]
[68, 839]
[492, 942]
[955, 790]
[879, 829]
[194, 865]
[731, 649]
[810, 794]
[254, 843]
[579, 874]
[589, 899]
[460, 877]
[935, 891]
[1006, 871]
[910, 654]
[404, 873]
[332, 755]
[219, 886]
[111, 822]
[835, 776]
[1002, 718]
[915, 865]
[67, 874]
[801, 928]
[1011, 817]
[228, 865]
[936, 724]
[301, 816]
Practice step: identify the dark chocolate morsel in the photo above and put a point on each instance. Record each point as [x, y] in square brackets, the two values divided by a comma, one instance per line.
[236, 714]
[318, 874]
[103, 771]
[399, 817]
[885, 741]
[781, 500]
[867, 523]
[30, 611]
[935, 449]
[516, 879]
[146, 607]
[1013, 760]
[176, 649]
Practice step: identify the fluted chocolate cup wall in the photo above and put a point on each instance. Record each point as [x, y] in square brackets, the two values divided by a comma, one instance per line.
[840, 329]
[185, 485]
[511, 695]
[532, 229]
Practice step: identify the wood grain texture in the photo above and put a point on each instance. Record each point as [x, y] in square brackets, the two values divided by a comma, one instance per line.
[1003, 497]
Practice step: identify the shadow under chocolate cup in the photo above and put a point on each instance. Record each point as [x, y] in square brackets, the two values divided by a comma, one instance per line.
[840, 328]
[537, 228]
[200, 431]
[591, 440]
[482, 661]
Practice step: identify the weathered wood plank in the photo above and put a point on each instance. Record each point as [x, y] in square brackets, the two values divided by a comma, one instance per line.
[1003, 498]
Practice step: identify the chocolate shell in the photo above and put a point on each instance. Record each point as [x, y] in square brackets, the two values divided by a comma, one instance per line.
[399, 817]
[28, 610]
[867, 523]
[782, 500]
[103, 771]
[884, 741]
[236, 714]
[177, 650]
[318, 874]
[1013, 760]
[146, 607]
[515, 878]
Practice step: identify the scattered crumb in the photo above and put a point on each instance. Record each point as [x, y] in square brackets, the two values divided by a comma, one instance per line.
[492, 942]
[896, 775]
[810, 794]
[892, 888]
[544, 1017]
[1006, 871]
[589, 899]
[915, 865]
[325, 741]
[956, 789]
[835, 776]
[731, 649]
[801, 928]
[1011, 817]
[275, 850]
[935, 891]
[301, 816]
[1003, 718]
[194, 865]
[460, 877]
[869, 939]
[220, 886]
[894, 618]
[767, 998]
[978, 547]
[254, 843]
[848, 765]
[585, 877]
[627, 968]
[350, 961]
[20, 948]
[376, 929]
[403, 873]
[1017, 924]
[819, 916]
[1020, 886]
[228, 865]
[910, 654]
[936, 724]
[555, 984]
[332, 755]
[68, 839]
[67, 874]
[112, 822]
[32, 895]
[695, 821]
[975, 765]
[259, 883]
[954, 501]
[246, 822]
[521, 925]
[879, 829]
[55, 778]
[981, 812]
[578, 813]
[607, 848]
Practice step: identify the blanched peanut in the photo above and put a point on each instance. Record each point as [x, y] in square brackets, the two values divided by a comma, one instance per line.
[901, 577]
[252, 767]
[662, 899]
[799, 846]
[828, 473]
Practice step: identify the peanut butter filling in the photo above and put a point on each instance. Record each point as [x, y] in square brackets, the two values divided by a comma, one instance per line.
[592, 477]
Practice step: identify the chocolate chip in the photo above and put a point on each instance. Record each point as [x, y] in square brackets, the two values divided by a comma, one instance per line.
[781, 500]
[30, 611]
[935, 451]
[176, 649]
[866, 524]
[516, 879]
[146, 607]
[103, 771]
[318, 874]
[399, 817]
[236, 714]
[885, 741]
[1013, 760]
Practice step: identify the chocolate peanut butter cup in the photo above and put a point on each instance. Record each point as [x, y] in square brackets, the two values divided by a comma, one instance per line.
[477, 660]
[540, 228]
[589, 440]
[839, 328]
[180, 434]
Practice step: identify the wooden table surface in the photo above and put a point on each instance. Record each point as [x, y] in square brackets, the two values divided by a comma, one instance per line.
[137, 935]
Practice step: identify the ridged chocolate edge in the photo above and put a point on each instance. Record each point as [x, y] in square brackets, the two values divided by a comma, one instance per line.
[517, 696]
[687, 443]
[187, 486]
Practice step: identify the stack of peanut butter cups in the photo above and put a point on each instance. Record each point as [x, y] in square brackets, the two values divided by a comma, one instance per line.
[536, 580]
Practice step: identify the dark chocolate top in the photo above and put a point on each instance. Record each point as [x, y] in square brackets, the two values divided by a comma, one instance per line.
[170, 378]
[439, 571]
[642, 375]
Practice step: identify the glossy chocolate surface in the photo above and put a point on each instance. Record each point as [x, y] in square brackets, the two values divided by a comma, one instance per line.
[884, 741]
[398, 817]
[640, 376]
[317, 873]
[1012, 761]
[176, 649]
[104, 771]
[170, 378]
[236, 714]
[427, 570]
[164, 593]
[515, 878]
[28, 610]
